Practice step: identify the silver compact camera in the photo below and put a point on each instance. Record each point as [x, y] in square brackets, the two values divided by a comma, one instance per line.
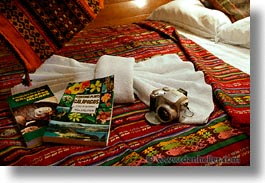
[167, 104]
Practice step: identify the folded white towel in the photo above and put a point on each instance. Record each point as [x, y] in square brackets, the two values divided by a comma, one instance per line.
[169, 70]
[122, 69]
[130, 78]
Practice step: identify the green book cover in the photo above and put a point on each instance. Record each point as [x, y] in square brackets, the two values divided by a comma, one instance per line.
[84, 113]
[32, 111]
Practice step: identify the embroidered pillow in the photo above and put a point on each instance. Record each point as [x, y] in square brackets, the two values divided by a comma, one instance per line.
[36, 29]
[207, 4]
[234, 9]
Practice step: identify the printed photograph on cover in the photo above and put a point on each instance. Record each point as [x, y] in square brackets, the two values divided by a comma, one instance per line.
[84, 113]
[34, 115]
[32, 111]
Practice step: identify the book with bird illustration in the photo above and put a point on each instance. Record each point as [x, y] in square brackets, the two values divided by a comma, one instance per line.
[84, 114]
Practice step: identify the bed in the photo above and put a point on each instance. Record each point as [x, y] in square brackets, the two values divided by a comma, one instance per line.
[159, 29]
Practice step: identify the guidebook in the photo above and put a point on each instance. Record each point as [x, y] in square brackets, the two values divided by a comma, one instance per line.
[84, 113]
[32, 111]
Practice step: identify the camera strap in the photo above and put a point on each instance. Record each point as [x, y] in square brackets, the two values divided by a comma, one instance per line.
[184, 107]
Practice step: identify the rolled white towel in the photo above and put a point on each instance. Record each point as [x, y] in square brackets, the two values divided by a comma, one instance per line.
[122, 69]
[130, 78]
[170, 71]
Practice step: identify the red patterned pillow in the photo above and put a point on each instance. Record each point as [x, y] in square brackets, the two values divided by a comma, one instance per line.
[207, 4]
[36, 29]
[235, 9]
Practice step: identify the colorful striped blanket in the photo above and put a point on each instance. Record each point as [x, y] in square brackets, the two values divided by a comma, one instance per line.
[224, 140]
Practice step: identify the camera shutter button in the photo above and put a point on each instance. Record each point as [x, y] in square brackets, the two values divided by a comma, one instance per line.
[166, 89]
[155, 93]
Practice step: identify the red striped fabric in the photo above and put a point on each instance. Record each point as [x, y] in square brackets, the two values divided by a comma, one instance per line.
[133, 141]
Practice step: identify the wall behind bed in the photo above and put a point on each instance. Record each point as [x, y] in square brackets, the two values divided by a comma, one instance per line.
[117, 12]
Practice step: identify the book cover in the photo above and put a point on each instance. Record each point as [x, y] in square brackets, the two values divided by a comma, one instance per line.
[32, 111]
[84, 113]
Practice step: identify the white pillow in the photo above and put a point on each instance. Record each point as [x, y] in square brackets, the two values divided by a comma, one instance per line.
[237, 33]
[191, 15]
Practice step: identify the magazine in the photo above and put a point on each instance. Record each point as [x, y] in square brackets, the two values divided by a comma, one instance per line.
[84, 113]
[32, 111]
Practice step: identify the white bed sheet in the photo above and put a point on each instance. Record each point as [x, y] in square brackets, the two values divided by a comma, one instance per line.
[236, 56]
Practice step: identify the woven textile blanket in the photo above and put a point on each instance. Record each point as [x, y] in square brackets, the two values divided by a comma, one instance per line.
[223, 140]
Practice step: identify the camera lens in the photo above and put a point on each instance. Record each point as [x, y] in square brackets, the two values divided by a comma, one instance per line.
[163, 114]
